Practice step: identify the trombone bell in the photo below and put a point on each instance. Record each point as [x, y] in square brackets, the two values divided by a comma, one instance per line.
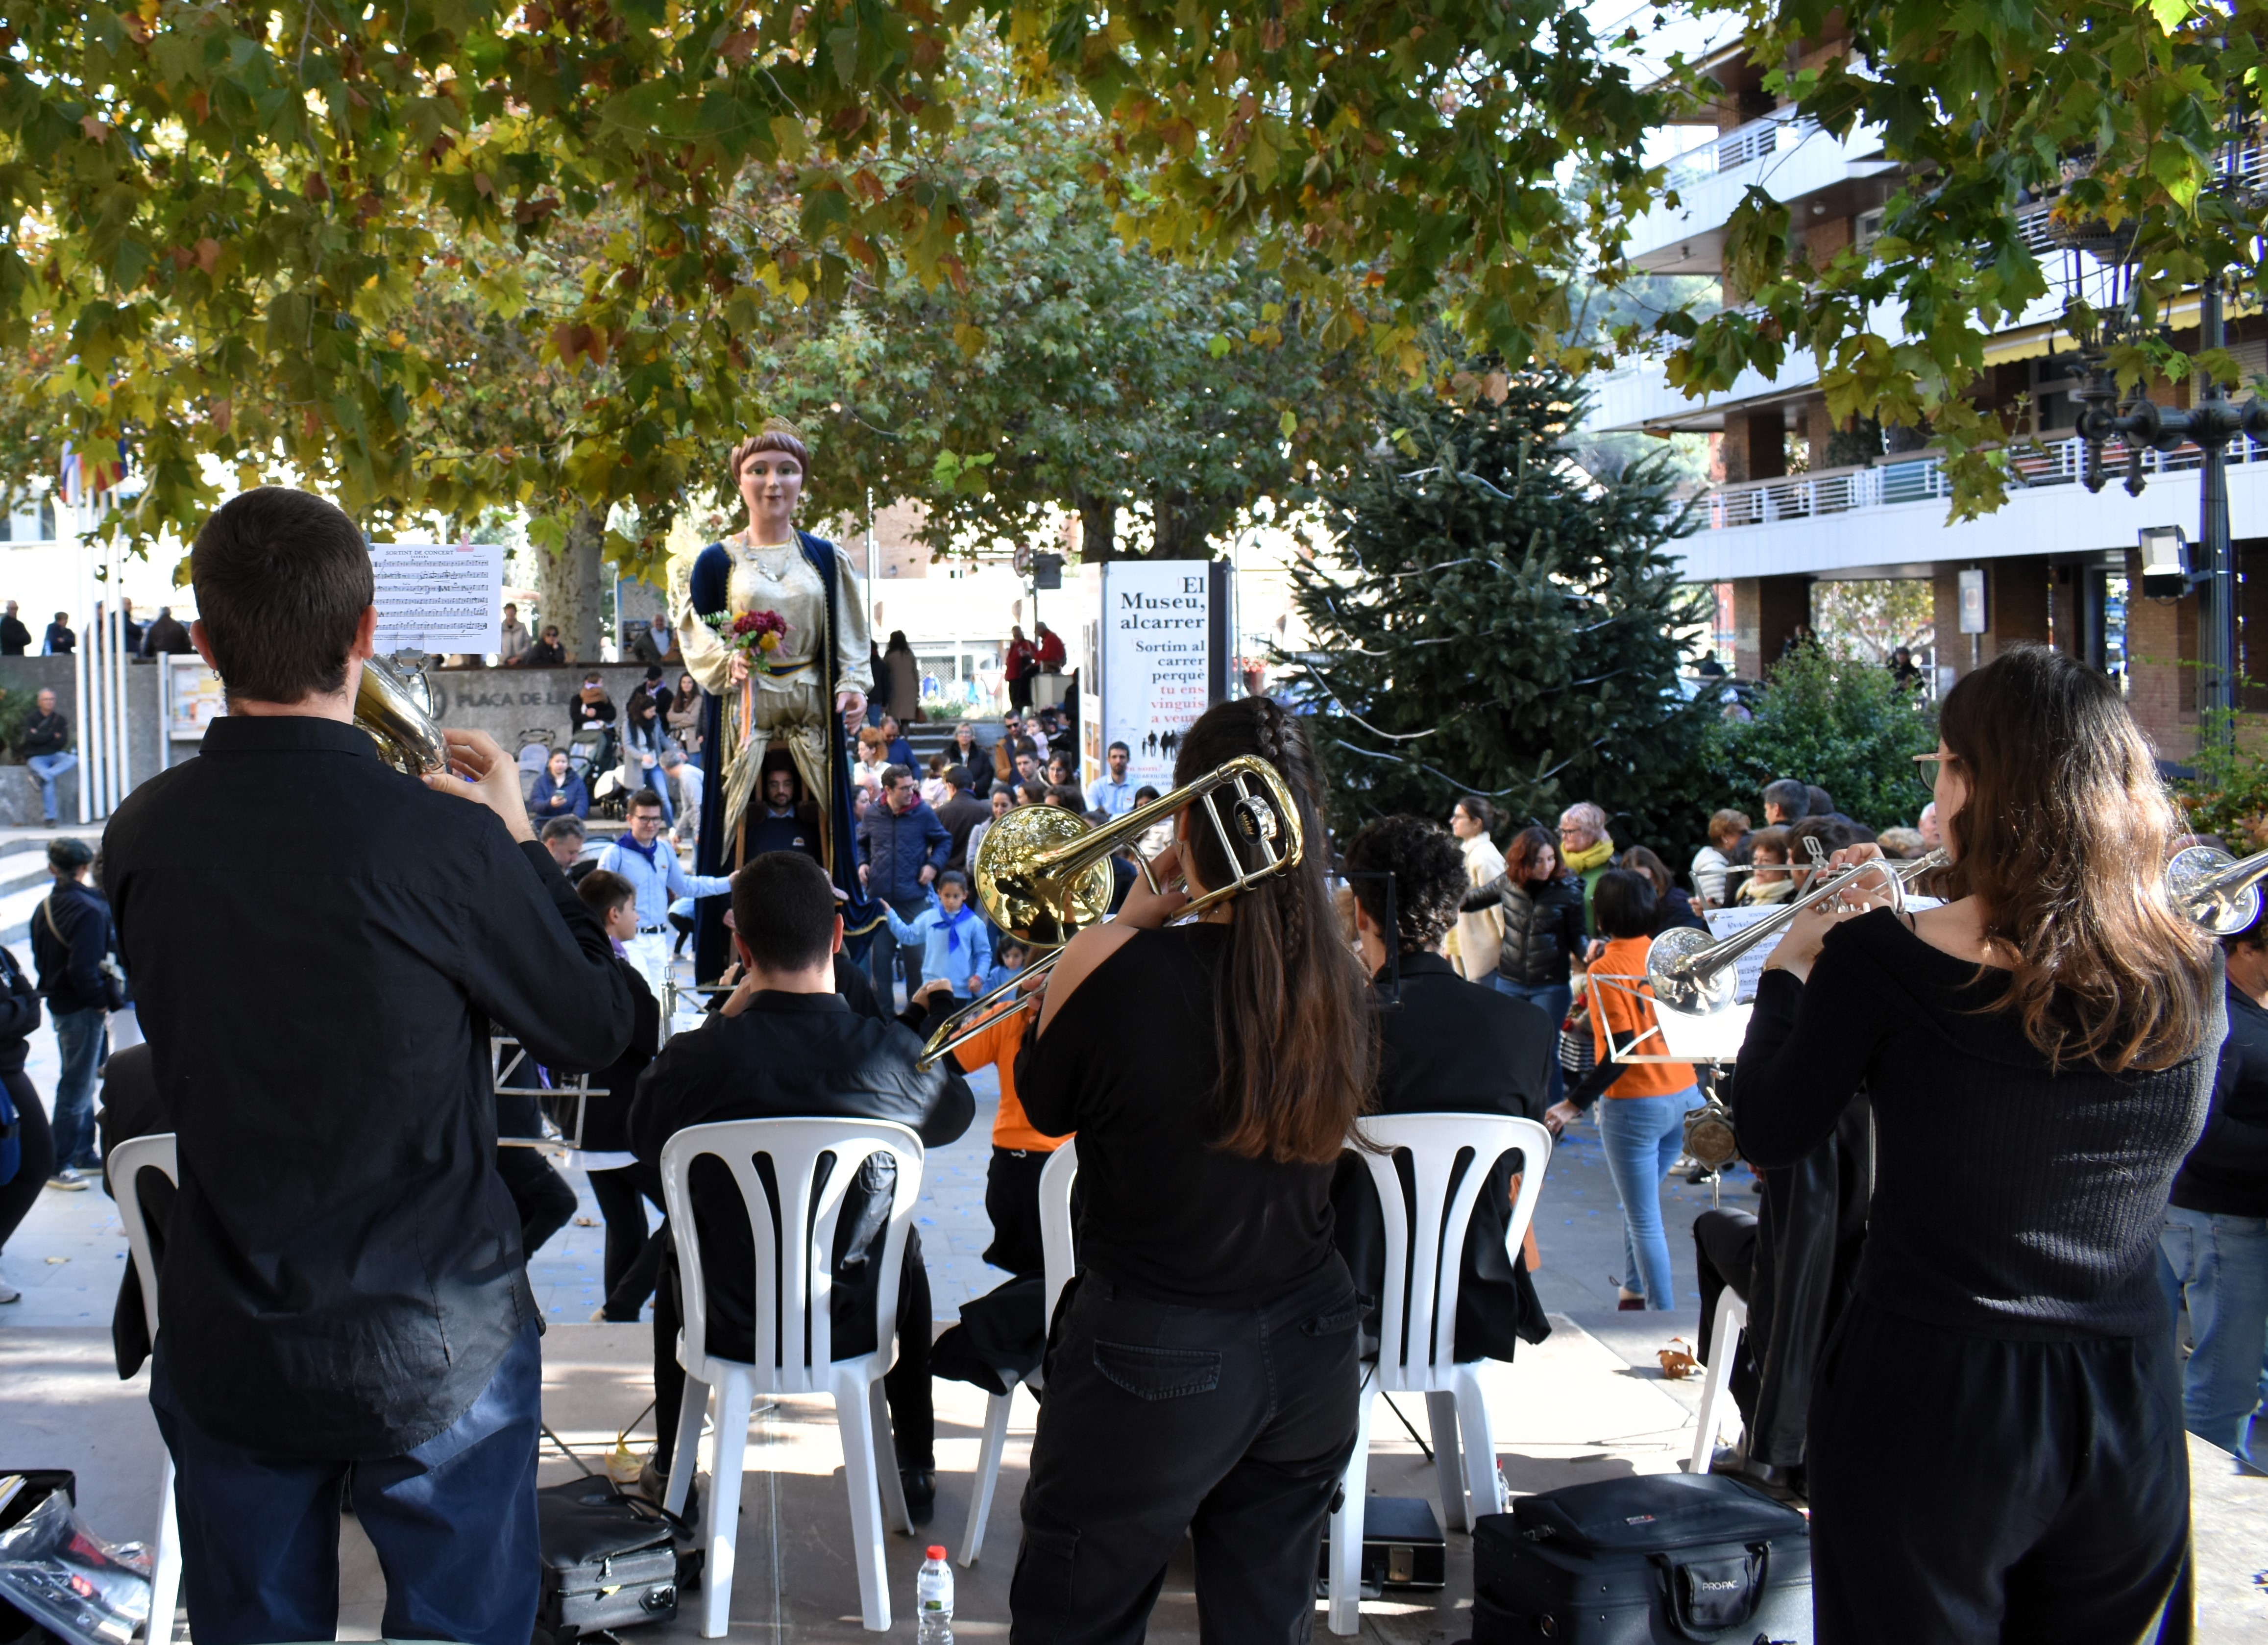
[1020, 891]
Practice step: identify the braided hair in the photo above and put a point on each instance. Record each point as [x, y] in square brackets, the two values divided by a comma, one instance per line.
[1292, 1020]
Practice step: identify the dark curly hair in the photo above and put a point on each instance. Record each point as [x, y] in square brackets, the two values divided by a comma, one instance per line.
[1428, 870]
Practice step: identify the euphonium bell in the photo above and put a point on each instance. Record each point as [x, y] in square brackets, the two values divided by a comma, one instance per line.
[395, 707]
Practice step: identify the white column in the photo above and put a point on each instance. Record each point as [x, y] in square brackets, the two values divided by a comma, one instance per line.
[122, 734]
[94, 735]
[67, 521]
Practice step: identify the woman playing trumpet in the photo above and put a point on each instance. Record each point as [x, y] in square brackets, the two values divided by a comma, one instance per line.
[1201, 1371]
[2040, 1053]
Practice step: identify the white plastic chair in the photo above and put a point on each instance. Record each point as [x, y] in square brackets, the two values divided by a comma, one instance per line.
[1418, 1317]
[1724, 1347]
[127, 1161]
[1056, 1178]
[793, 1288]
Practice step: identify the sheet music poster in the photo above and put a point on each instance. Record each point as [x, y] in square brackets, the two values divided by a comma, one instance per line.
[438, 596]
[1723, 922]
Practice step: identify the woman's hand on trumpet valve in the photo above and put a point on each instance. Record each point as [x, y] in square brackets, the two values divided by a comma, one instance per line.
[1800, 945]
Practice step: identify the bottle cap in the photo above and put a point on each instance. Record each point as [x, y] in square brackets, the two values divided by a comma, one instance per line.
[935, 1551]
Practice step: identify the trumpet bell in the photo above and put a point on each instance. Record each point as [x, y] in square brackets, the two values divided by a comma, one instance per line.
[1691, 989]
[2197, 881]
[395, 707]
[1046, 910]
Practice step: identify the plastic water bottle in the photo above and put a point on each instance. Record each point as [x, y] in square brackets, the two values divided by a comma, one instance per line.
[933, 1599]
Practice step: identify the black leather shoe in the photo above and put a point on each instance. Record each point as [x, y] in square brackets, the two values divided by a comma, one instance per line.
[920, 1486]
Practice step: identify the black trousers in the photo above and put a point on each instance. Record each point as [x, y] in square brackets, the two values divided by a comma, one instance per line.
[1233, 1425]
[634, 1252]
[38, 1146]
[1012, 1201]
[1725, 1255]
[906, 1385]
[1974, 1489]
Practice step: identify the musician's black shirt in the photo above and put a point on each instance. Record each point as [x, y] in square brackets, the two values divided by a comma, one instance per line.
[1130, 1063]
[2226, 1173]
[319, 945]
[793, 1057]
[2009, 1201]
[1448, 1046]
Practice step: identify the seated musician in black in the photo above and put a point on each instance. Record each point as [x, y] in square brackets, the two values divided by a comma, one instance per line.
[787, 1045]
[1446, 1045]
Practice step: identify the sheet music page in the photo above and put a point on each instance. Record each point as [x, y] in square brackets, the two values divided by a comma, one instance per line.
[1724, 922]
[438, 596]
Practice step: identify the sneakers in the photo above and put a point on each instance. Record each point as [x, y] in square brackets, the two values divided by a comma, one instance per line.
[69, 1180]
[9, 1294]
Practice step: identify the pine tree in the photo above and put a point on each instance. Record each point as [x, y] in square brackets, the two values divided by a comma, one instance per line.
[1489, 619]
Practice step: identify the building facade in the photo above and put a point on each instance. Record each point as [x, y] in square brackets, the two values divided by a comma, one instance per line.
[1795, 500]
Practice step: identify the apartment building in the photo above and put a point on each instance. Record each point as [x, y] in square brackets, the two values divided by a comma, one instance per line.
[1793, 500]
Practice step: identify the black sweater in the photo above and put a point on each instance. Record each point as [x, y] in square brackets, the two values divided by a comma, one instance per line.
[2008, 1202]
[2226, 1172]
[1131, 1064]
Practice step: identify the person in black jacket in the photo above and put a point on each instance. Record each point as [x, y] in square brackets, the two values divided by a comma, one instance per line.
[15, 639]
[345, 1294]
[2040, 1054]
[1446, 1045]
[71, 944]
[19, 1015]
[787, 1045]
[1542, 912]
[633, 1256]
[2213, 1251]
[46, 749]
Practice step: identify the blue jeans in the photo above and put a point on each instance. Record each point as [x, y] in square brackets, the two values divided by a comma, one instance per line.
[79, 1037]
[2220, 1264]
[47, 768]
[453, 1523]
[1552, 1000]
[1644, 1135]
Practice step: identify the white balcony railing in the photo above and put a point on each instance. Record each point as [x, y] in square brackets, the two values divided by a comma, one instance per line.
[1771, 134]
[1922, 479]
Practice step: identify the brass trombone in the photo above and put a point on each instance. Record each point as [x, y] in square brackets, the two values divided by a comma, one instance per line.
[1043, 875]
[1694, 973]
[2219, 891]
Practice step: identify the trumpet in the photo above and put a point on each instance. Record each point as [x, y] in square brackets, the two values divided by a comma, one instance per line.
[1043, 875]
[2219, 891]
[1693, 973]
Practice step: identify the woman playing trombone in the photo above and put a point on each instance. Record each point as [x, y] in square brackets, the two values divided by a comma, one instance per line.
[1995, 1445]
[1201, 1371]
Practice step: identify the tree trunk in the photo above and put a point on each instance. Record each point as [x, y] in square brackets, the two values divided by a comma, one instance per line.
[1098, 530]
[571, 587]
[1184, 524]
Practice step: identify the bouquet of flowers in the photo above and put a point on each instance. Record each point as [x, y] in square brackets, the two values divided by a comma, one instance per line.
[755, 635]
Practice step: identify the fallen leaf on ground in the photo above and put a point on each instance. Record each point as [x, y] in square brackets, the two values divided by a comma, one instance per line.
[1677, 1361]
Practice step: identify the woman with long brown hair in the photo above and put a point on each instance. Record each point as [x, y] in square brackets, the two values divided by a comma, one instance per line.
[1201, 1369]
[2040, 1053]
[1541, 914]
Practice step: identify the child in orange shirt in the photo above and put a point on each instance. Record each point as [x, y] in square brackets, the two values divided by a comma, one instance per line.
[1019, 1154]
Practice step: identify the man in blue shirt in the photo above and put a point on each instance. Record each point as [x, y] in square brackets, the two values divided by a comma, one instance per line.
[1114, 793]
[650, 864]
[902, 846]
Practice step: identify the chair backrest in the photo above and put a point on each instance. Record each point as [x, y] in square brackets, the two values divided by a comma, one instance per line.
[1417, 1318]
[1059, 1260]
[127, 1162]
[801, 1277]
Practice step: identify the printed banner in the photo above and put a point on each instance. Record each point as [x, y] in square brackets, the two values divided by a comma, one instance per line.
[1163, 644]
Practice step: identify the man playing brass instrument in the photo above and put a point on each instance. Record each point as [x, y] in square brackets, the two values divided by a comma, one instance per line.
[319, 946]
